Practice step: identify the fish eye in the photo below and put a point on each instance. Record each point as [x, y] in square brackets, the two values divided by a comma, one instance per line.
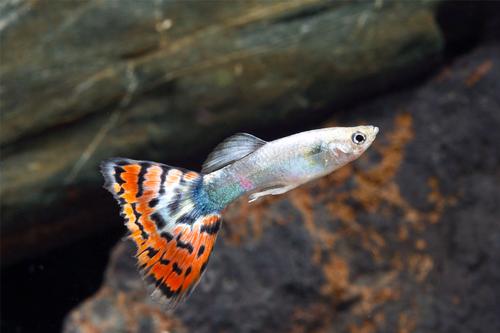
[358, 138]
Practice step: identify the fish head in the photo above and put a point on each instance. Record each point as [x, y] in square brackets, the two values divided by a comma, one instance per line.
[345, 144]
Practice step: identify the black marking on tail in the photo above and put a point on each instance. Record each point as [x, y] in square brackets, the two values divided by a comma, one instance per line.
[162, 179]
[118, 173]
[157, 283]
[204, 266]
[174, 205]
[186, 219]
[151, 252]
[154, 202]
[184, 245]
[211, 229]
[158, 220]
[167, 235]
[144, 234]
[166, 290]
[120, 162]
[201, 250]
[164, 261]
[140, 181]
[182, 181]
[176, 269]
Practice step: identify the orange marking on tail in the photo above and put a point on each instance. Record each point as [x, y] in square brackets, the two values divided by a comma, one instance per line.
[174, 281]
[149, 225]
[136, 237]
[129, 213]
[171, 252]
[130, 177]
[180, 256]
[116, 187]
[160, 271]
[152, 179]
[143, 258]
[141, 248]
[188, 280]
[173, 180]
[191, 175]
[180, 228]
[152, 184]
[147, 185]
[211, 219]
[155, 258]
[154, 241]
[173, 177]
[175, 172]
[154, 173]
[132, 168]
[190, 261]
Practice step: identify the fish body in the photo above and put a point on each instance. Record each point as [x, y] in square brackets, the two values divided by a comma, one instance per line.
[174, 214]
[281, 165]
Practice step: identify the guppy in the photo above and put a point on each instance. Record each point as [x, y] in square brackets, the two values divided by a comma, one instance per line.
[174, 214]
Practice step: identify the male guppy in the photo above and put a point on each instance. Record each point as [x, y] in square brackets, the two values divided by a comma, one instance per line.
[173, 214]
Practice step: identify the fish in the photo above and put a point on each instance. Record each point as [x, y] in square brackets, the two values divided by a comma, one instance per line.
[173, 215]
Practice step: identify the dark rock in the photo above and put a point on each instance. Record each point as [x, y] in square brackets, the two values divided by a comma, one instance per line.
[166, 80]
[404, 240]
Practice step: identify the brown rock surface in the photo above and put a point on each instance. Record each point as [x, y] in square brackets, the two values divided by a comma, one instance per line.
[406, 239]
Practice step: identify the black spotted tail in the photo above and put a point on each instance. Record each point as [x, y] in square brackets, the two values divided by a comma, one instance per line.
[172, 228]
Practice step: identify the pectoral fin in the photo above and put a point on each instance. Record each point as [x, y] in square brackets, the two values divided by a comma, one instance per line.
[270, 191]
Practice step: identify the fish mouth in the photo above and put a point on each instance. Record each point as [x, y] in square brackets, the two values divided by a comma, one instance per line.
[375, 130]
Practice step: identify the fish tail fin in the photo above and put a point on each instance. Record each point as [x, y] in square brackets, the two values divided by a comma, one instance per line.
[169, 221]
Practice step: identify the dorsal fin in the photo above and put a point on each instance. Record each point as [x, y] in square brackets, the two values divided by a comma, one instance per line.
[232, 149]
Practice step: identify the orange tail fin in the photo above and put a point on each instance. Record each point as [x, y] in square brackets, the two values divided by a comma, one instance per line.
[172, 228]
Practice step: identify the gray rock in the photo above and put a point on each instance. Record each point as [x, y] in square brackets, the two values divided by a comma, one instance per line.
[166, 80]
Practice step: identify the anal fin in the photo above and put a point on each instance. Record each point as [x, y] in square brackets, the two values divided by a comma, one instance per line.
[275, 190]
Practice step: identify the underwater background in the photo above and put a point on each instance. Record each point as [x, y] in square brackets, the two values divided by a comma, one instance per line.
[405, 239]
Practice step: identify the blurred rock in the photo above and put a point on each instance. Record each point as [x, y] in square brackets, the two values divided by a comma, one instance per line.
[166, 80]
[406, 239]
